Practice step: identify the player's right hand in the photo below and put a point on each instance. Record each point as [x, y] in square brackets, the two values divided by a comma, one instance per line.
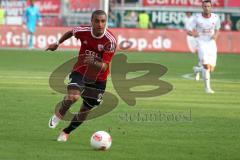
[52, 47]
[195, 34]
[89, 59]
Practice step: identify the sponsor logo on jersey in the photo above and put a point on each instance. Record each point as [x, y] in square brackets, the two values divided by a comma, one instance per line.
[100, 47]
[96, 55]
[85, 42]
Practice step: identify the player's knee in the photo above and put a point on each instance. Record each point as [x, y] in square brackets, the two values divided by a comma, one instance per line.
[75, 97]
[72, 97]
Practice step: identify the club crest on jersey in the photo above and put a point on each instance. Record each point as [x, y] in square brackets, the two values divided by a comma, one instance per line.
[85, 42]
[100, 47]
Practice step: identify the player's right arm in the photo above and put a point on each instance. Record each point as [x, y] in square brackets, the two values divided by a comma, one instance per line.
[54, 46]
[216, 30]
[191, 27]
[192, 33]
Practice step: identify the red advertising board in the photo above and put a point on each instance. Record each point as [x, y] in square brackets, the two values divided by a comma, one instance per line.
[84, 5]
[141, 40]
[48, 6]
[233, 3]
[189, 3]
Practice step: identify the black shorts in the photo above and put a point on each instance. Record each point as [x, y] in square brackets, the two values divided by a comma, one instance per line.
[91, 92]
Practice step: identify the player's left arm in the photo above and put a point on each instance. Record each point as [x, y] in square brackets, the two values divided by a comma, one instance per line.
[39, 18]
[215, 35]
[216, 29]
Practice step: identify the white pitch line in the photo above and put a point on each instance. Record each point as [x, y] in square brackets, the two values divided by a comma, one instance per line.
[190, 76]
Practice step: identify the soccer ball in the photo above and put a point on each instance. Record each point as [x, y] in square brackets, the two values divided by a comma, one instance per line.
[101, 140]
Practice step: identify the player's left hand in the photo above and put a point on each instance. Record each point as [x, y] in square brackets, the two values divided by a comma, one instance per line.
[214, 37]
[195, 34]
[89, 59]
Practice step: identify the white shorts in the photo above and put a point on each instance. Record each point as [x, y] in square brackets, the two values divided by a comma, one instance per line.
[207, 52]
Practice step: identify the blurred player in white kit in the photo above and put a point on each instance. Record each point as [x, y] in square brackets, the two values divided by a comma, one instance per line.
[192, 44]
[191, 41]
[205, 28]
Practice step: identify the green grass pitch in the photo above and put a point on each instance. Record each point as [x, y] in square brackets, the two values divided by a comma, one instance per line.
[209, 128]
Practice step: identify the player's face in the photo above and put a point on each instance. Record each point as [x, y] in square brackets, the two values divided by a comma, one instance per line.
[31, 2]
[207, 7]
[99, 24]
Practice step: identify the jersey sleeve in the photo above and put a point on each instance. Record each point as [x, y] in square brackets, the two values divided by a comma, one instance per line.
[192, 23]
[77, 31]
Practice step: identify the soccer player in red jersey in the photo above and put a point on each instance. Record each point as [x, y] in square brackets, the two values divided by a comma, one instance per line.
[89, 74]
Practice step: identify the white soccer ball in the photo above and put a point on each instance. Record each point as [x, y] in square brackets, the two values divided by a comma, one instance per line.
[101, 140]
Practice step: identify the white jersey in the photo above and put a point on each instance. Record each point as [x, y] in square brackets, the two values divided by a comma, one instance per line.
[205, 26]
